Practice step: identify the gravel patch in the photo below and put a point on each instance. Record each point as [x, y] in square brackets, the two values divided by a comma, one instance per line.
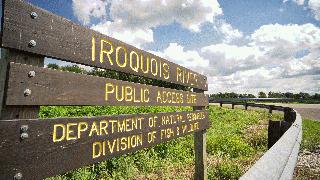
[308, 165]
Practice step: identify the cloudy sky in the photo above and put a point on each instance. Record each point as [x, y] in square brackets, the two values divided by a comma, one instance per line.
[245, 46]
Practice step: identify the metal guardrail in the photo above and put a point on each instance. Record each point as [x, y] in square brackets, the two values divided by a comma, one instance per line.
[280, 160]
[217, 100]
[284, 139]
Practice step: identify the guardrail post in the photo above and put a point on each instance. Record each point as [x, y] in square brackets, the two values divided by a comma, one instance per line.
[200, 148]
[289, 114]
[246, 106]
[279, 162]
[220, 103]
[274, 132]
[232, 105]
[284, 126]
[289, 118]
[293, 115]
[271, 108]
[286, 115]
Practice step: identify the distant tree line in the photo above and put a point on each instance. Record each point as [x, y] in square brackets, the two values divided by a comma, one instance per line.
[117, 75]
[298, 96]
[231, 95]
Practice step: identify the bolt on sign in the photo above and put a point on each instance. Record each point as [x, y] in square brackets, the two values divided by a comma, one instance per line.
[33, 148]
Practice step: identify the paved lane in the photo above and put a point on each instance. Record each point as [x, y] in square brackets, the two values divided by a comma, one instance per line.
[307, 111]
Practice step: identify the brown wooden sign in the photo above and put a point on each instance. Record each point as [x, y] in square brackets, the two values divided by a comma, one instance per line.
[38, 148]
[29, 28]
[30, 85]
[32, 148]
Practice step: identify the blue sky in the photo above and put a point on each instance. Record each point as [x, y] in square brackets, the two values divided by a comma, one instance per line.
[244, 46]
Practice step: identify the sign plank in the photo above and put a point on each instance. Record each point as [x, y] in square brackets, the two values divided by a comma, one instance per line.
[53, 87]
[54, 36]
[55, 146]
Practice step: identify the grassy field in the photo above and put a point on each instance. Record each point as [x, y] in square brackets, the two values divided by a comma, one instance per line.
[236, 139]
[311, 135]
[308, 165]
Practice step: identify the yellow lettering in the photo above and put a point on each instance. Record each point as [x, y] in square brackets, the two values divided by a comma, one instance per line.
[95, 153]
[104, 51]
[169, 97]
[147, 64]
[123, 143]
[135, 95]
[146, 95]
[54, 134]
[94, 129]
[152, 67]
[174, 97]
[104, 148]
[135, 68]
[109, 91]
[179, 75]
[159, 98]
[151, 136]
[111, 147]
[93, 49]
[117, 93]
[103, 127]
[121, 126]
[165, 73]
[118, 55]
[113, 123]
[128, 96]
[70, 132]
[82, 126]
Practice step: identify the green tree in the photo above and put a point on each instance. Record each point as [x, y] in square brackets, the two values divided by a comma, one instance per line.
[288, 95]
[316, 96]
[74, 68]
[262, 95]
[53, 66]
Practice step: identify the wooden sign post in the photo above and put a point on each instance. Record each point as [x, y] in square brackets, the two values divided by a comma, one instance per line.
[33, 148]
[200, 148]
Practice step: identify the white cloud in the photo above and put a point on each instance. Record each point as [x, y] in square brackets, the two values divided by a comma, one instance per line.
[152, 13]
[187, 58]
[273, 58]
[314, 5]
[255, 84]
[276, 58]
[293, 36]
[227, 59]
[85, 9]
[299, 2]
[132, 20]
[282, 43]
[135, 37]
[229, 33]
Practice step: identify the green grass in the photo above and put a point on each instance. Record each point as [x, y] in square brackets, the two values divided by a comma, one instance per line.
[310, 142]
[311, 134]
[235, 140]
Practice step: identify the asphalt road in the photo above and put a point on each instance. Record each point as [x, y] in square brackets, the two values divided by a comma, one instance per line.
[307, 111]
